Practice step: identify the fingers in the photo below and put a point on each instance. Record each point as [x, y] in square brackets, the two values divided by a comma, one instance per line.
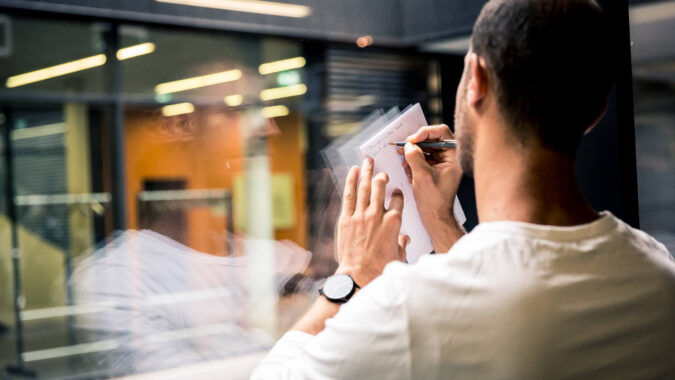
[434, 132]
[363, 197]
[349, 195]
[416, 161]
[378, 191]
[396, 204]
[406, 169]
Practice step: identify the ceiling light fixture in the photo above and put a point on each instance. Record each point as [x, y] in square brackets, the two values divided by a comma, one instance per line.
[135, 51]
[77, 65]
[233, 100]
[364, 41]
[275, 111]
[197, 82]
[283, 65]
[249, 6]
[178, 109]
[55, 71]
[283, 92]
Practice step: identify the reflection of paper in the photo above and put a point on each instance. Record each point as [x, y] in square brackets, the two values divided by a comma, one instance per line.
[388, 161]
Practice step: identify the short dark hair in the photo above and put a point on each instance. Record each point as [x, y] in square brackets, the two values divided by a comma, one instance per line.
[551, 63]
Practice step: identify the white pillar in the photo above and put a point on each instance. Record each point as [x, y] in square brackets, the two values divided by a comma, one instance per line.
[262, 309]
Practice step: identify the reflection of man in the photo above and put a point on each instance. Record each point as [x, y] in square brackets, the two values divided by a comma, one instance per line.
[153, 303]
[545, 287]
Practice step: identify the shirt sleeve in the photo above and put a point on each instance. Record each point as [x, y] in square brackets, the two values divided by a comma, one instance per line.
[367, 338]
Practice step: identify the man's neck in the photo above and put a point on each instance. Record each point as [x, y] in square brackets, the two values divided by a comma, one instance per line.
[533, 186]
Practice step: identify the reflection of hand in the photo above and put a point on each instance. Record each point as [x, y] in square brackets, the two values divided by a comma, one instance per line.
[435, 178]
[367, 232]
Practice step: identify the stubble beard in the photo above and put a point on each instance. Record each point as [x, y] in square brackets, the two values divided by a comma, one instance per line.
[464, 133]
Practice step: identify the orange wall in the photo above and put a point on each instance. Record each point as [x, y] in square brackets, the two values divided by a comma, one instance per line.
[286, 152]
[204, 149]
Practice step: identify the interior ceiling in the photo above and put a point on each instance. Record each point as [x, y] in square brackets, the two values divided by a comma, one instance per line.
[652, 35]
[178, 54]
[652, 32]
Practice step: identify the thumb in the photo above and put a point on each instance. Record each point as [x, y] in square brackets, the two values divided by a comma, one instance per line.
[403, 241]
[415, 158]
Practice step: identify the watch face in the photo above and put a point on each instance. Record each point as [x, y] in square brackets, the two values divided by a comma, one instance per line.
[338, 286]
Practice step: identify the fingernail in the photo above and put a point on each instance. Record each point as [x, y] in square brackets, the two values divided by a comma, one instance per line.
[408, 147]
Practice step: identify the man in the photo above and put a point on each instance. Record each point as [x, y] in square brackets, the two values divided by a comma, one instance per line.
[545, 287]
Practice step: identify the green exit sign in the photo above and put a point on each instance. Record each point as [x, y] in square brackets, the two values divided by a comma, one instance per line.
[288, 78]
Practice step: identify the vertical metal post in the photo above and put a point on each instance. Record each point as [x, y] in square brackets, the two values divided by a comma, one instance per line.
[117, 151]
[625, 112]
[16, 251]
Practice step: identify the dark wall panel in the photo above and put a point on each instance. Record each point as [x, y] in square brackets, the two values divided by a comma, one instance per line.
[606, 164]
[390, 22]
[437, 19]
[343, 20]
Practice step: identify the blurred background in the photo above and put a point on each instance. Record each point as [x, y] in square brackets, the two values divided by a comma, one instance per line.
[164, 203]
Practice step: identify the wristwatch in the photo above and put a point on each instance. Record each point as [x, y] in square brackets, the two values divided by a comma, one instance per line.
[339, 288]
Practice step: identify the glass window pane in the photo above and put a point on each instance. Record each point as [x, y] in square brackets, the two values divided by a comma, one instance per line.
[52, 56]
[654, 103]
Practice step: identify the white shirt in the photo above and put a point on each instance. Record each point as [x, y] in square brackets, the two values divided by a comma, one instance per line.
[509, 301]
[158, 304]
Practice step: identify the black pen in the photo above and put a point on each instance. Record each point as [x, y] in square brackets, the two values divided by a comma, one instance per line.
[445, 144]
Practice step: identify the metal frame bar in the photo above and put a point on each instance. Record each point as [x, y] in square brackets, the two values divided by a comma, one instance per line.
[117, 153]
[18, 299]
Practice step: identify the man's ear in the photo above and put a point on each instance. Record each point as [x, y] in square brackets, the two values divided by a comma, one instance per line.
[478, 85]
[598, 118]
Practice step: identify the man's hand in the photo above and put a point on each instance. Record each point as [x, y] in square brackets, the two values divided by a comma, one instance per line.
[435, 178]
[368, 234]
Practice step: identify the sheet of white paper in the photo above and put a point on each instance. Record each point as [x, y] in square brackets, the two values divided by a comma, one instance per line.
[387, 160]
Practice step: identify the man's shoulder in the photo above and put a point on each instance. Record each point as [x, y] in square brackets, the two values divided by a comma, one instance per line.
[645, 241]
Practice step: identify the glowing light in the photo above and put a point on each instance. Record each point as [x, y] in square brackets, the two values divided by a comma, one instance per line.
[364, 41]
[283, 65]
[77, 65]
[250, 6]
[275, 111]
[178, 109]
[135, 51]
[55, 71]
[197, 82]
[288, 78]
[234, 100]
[283, 92]
[163, 98]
